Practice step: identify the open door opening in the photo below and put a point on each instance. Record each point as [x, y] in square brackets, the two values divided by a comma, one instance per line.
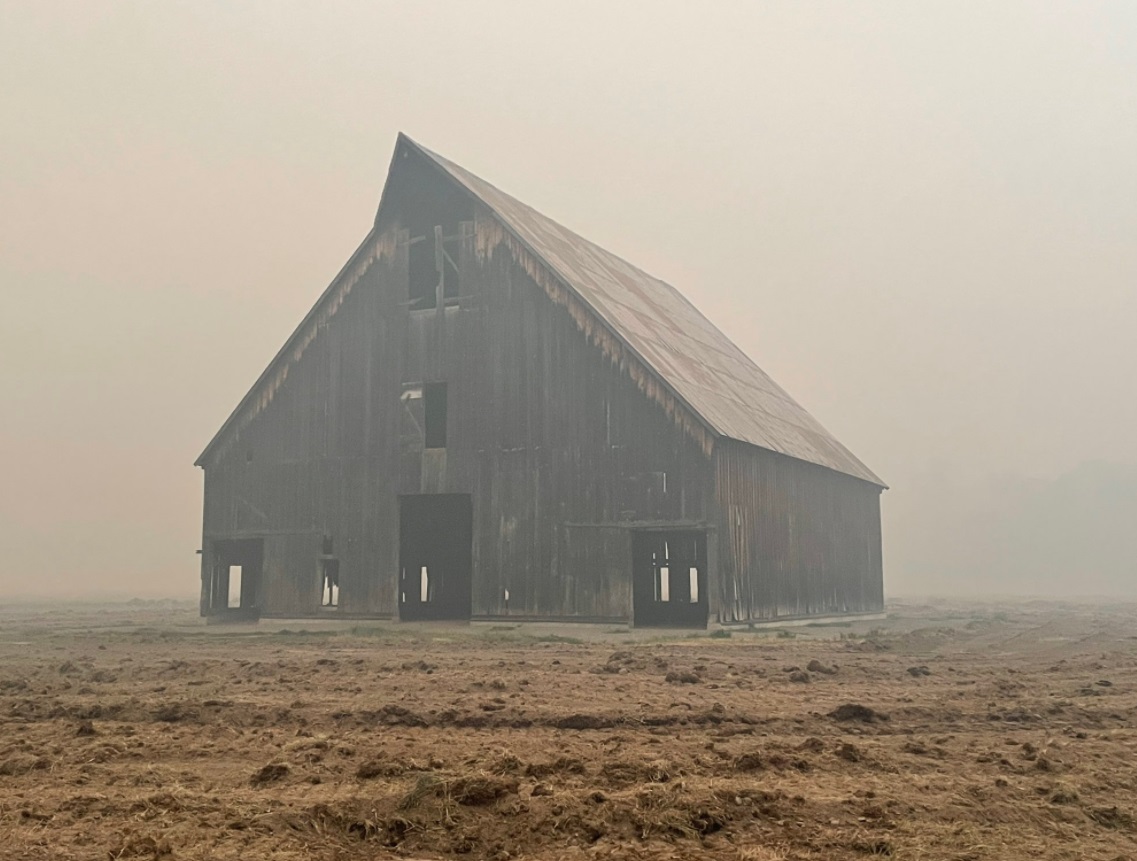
[435, 556]
[329, 575]
[235, 581]
[669, 579]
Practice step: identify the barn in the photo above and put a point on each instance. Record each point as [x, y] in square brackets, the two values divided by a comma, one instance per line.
[486, 417]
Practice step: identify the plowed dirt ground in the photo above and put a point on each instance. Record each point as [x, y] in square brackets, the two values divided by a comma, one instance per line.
[946, 732]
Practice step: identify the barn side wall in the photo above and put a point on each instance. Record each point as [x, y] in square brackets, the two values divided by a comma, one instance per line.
[794, 539]
[561, 449]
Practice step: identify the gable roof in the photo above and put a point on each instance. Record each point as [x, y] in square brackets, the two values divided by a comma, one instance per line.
[700, 364]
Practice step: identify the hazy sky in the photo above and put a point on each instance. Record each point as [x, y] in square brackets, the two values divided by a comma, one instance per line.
[919, 218]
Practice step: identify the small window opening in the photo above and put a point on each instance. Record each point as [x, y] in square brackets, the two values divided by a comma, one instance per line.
[693, 574]
[434, 395]
[424, 585]
[234, 597]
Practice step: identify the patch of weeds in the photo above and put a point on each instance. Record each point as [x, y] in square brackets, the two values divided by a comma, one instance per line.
[302, 632]
[720, 634]
[1064, 796]
[363, 631]
[557, 638]
[424, 786]
[1111, 817]
[874, 847]
[856, 712]
[270, 773]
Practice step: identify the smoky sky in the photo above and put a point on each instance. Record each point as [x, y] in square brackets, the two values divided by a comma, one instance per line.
[919, 218]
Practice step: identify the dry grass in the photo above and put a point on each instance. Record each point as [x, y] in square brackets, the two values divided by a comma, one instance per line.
[163, 742]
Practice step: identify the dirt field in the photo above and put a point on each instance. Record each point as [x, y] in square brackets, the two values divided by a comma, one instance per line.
[961, 732]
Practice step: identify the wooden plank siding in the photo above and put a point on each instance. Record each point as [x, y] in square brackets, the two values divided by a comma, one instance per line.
[557, 445]
[564, 439]
[794, 539]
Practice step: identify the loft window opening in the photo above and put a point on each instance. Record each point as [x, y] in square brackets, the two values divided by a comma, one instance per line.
[447, 251]
[422, 288]
[433, 270]
[435, 409]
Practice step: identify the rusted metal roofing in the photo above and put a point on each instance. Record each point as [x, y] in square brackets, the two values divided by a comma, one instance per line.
[703, 367]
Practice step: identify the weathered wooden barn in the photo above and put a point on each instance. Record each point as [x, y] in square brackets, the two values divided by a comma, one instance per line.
[487, 417]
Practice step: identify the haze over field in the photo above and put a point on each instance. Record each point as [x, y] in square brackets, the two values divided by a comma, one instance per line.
[918, 218]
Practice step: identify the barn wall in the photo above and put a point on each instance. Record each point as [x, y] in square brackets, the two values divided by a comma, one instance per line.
[794, 539]
[556, 442]
[316, 459]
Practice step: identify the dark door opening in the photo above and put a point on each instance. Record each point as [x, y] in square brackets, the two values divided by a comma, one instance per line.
[669, 578]
[436, 533]
[329, 575]
[235, 581]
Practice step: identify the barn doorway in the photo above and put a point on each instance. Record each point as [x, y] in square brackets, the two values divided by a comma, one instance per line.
[669, 578]
[235, 580]
[436, 532]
